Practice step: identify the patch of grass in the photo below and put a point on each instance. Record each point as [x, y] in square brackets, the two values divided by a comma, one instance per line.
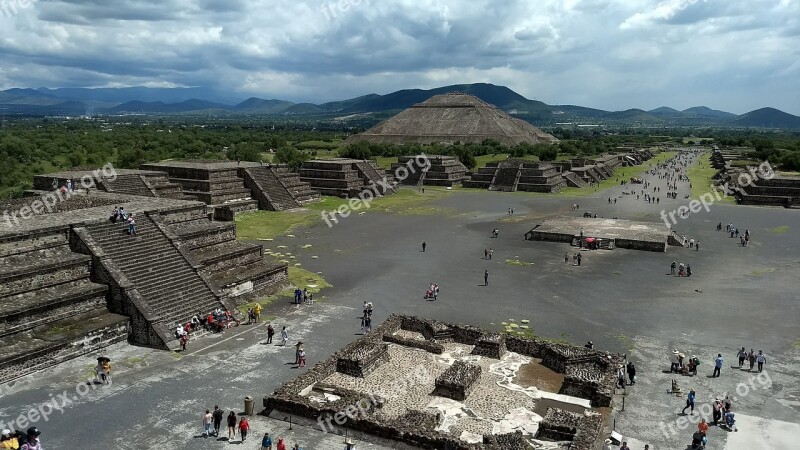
[700, 175]
[626, 342]
[385, 162]
[298, 277]
[779, 230]
[759, 272]
[516, 262]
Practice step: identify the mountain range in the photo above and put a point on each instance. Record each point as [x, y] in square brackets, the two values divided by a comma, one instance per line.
[168, 101]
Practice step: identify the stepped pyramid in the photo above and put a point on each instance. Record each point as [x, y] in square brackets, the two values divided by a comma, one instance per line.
[451, 118]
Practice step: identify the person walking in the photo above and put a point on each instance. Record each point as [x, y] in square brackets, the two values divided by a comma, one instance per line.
[244, 427]
[297, 349]
[301, 358]
[131, 225]
[485, 277]
[266, 442]
[231, 426]
[424, 244]
[631, 373]
[742, 355]
[491, 253]
[217, 414]
[751, 358]
[717, 365]
[257, 311]
[580, 257]
[270, 333]
[485, 253]
[672, 268]
[761, 359]
[566, 257]
[208, 419]
[689, 402]
[284, 336]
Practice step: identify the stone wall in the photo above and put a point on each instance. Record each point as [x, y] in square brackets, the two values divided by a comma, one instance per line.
[490, 345]
[457, 381]
[361, 360]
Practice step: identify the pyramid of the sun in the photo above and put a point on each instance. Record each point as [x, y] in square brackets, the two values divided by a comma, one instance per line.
[451, 118]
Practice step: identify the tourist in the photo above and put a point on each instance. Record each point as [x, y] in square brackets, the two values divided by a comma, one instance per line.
[589, 345]
[131, 225]
[114, 215]
[624, 446]
[697, 246]
[349, 444]
[689, 402]
[365, 310]
[485, 253]
[580, 257]
[266, 442]
[69, 185]
[674, 361]
[305, 295]
[217, 415]
[297, 349]
[8, 440]
[751, 358]
[688, 270]
[491, 253]
[424, 244]
[122, 213]
[32, 439]
[716, 408]
[761, 359]
[742, 355]
[621, 376]
[208, 420]
[364, 321]
[231, 425]
[184, 341]
[566, 257]
[672, 268]
[296, 446]
[244, 427]
[631, 372]
[284, 336]
[485, 277]
[702, 426]
[270, 333]
[257, 311]
[301, 358]
[281, 444]
[368, 324]
[717, 365]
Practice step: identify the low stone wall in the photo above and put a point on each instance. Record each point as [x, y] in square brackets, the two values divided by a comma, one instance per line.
[490, 345]
[428, 346]
[361, 360]
[457, 381]
[650, 246]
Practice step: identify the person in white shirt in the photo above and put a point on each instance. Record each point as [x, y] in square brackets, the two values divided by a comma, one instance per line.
[761, 359]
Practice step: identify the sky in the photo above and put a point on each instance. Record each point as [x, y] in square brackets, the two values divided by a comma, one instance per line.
[734, 55]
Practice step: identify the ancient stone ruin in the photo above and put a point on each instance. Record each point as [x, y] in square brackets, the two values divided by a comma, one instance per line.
[457, 364]
[347, 178]
[73, 282]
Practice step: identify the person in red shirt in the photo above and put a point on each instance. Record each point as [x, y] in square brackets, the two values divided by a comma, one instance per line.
[281, 444]
[244, 427]
[702, 427]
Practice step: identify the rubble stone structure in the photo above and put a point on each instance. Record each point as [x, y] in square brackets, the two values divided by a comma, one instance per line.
[518, 175]
[589, 374]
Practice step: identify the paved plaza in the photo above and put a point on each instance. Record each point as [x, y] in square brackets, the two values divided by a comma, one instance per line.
[622, 300]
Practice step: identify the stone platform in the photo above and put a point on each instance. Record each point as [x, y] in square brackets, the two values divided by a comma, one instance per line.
[649, 236]
[457, 397]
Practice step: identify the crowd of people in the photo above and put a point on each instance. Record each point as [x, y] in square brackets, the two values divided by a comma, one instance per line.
[119, 214]
[28, 440]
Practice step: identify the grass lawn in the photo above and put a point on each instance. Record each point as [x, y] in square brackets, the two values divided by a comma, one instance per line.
[700, 175]
[262, 225]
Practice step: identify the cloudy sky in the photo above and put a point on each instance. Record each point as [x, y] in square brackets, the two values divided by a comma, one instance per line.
[735, 55]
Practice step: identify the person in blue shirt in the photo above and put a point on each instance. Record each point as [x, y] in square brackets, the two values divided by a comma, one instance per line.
[266, 442]
[717, 365]
[689, 402]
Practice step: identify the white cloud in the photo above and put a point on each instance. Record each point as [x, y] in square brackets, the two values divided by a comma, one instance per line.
[599, 53]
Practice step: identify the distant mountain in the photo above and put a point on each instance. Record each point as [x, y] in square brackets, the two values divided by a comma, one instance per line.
[704, 111]
[156, 101]
[165, 108]
[254, 105]
[665, 111]
[767, 118]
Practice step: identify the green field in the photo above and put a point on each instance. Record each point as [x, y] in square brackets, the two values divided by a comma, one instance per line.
[700, 175]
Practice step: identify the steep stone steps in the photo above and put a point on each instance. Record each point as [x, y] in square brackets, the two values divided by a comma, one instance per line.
[274, 195]
[159, 272]
[47, 272]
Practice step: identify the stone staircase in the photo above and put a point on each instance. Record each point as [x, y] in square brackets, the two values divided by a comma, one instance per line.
[50, 310]
[372, 176]
[506, 178]
[573, 180]
[128, 184]
[300, 190]
[268, 188]
[168, 286]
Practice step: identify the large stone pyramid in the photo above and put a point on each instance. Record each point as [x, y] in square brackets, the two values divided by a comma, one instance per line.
[450, 118]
